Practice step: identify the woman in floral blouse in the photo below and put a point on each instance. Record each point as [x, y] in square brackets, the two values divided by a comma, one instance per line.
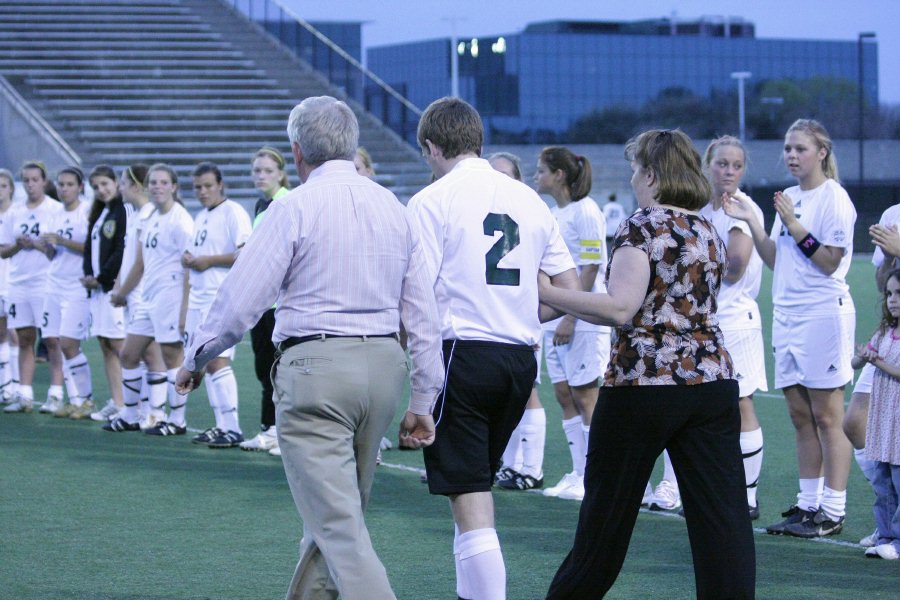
[669, 384]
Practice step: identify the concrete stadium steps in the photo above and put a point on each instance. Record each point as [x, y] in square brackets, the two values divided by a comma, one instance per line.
[175, 81]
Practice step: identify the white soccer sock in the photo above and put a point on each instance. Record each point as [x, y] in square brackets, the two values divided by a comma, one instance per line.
[810, 495]
[71, 390]
[227, 396]
[462, 588]
[668, 469]
[158, 385]
[513, 456]
[14, 364]
[177, 401]
[866, 465]
[131, 392]
[27, 392]
[5, 368]
[575, 436]
[534, 433]
[752, 451]
[79, 374]
[481, 565]
[834, 503]
[212, 393]
[144, 405]
[55, 391]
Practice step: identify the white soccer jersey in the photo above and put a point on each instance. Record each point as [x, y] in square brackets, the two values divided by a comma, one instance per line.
[137, 221]
[889, 218]
[798, 286]
[67, 267]
[583, 229]
[485, 237]
[737, 308]
[220, 230]
[28, 268]
[162, 243]
[614, 213]
[4, 262]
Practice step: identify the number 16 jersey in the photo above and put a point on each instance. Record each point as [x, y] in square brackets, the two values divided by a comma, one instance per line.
[163, 240]
[485, 238]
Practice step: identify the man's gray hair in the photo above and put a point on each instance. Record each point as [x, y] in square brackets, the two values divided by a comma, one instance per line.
[325, 129]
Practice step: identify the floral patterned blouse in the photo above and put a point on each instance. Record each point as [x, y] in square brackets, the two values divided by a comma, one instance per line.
[674, 339]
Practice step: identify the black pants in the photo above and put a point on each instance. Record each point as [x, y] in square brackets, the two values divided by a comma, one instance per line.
[263, 359]
[700, 427]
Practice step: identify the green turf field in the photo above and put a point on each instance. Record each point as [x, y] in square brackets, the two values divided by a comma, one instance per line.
[86, 514]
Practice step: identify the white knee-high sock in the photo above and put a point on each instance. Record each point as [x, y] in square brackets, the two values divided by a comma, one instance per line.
[810, 496]
[481, 565]
[212, 393]
[866, 465]
[5, 368]
[575, 437]
[752, 451]
[534, 433]
[227, 397]
[462, 588]
[158, 384]
[14, 364]
[131, 392]
[513, 455]
[668, 469]
[177, 401]
[144, 406]
[79, 372]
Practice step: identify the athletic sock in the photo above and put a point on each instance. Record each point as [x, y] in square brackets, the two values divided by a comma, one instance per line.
[212, 393]
[575, 436]
[177, 401]
[513, 455]
[462, 588]
[481, 564]
[79, 373]
[668, 469]
[156, 381]
[27, 392]
[534, 434]
[227, 397]
[144, 406]
[131, 392]
[752, 451]
[5, 368]
[810, 495]
[14, 364]
[834, 503]
[866, 465]
[55, 391]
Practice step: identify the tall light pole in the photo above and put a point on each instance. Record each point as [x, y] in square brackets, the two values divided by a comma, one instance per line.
[454, 55]
[862, 111]
[742, 122]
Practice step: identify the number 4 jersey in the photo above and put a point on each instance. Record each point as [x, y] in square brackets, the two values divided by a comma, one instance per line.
[485, 238]
[28, 268]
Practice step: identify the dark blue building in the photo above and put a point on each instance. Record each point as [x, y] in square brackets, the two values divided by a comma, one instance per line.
[552, 73]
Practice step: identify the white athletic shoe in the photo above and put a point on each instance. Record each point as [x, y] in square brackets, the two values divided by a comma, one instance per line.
[887, 551]
[263, 442]
[107, 413]
[568, 480]
[665, 496]
[20, 404]
[574, 491]
[53, 404]
[276, 451]
[386, 444]
[870, 541]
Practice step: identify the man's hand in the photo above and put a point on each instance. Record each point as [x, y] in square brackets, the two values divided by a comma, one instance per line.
[185, 380]
[416, 431]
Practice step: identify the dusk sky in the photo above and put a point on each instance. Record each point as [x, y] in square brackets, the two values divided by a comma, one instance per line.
[392, 21]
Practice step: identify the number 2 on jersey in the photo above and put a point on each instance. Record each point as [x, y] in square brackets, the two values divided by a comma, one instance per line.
[508, 240]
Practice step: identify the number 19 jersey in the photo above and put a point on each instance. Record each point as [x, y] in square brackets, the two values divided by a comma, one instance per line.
[485, 238]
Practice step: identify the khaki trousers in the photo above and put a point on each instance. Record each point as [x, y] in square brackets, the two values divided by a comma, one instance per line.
[334, 400]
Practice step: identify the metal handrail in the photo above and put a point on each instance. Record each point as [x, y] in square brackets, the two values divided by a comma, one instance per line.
[343, 54]
[46, 131]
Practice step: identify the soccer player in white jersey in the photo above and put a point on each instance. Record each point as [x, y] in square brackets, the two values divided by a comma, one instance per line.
[810, 249]
[148, 380]
[9, 350]
[67, 314]
[164, 301]
[220, 229]
[577, 352]
[28, 278]
[485, 237]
